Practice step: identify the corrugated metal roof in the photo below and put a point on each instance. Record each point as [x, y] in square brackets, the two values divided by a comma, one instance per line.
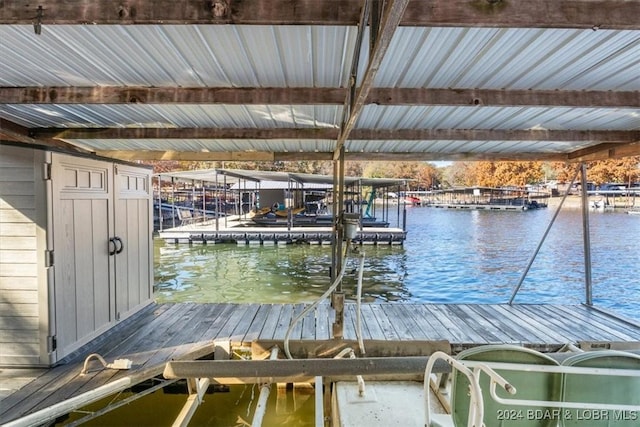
[513, 58]
[176, 55]
[316, 56]
[444, 117]
[174, 116]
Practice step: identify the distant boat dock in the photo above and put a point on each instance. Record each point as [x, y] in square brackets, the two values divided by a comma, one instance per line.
[486, 198]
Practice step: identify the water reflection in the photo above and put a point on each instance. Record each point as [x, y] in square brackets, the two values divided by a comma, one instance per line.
[449, 256]
[272, 274]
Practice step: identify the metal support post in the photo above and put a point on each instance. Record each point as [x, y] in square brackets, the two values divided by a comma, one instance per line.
[338, 203]
[585, 236]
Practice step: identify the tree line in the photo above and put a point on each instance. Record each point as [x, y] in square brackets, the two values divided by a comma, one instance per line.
[427, 176]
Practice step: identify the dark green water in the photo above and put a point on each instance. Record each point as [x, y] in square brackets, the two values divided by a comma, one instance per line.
[232, 408]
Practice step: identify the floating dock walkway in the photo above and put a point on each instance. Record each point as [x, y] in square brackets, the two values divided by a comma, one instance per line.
[206, 233]
[479, 207]
[186, 331]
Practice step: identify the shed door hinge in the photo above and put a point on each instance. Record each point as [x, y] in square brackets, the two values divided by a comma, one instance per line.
[48, 258]
[52, 343]
[46, 171]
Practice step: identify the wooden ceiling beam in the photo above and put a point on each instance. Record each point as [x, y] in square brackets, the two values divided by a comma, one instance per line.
[605, 151]
[592, 14]
[170, 95]
[504, 98]
[331, 134]
[316, 96]
[463, 157]
[13, 132]
[494, 135]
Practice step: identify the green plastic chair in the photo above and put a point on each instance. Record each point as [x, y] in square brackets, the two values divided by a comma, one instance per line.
[542, 386]
[602, 389]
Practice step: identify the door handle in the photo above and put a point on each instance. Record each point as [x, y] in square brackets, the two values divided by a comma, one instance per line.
[121, 248]
[112, 241]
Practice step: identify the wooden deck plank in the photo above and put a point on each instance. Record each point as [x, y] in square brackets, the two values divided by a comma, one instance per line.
[475, 332]
[283, 322]
[403, 330]
[424, 329]
[296, 332]
[388, 332]
[529, 330]
[562, 324]
[323, 321]
[595, 319]
[351, 325]
[493, 332]
[370, 323]
[184, 337]
[349, 322]
[257, 324]
[568, 323]
[515, 334]
[234, 317]
[244, 323]
[629, 326]
[530, 319]
[271, 322]
[309, 324]
[454, 330]
[215, 325]
[436, 330]
[466, 334]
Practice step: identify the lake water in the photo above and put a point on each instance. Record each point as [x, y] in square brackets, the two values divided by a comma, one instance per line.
[449, 256]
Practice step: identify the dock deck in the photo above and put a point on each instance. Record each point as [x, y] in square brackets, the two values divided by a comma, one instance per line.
[245, 233]
[163, 332]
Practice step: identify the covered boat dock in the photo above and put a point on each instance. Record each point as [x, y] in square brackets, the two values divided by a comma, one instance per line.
[276, 81]
[253, 189]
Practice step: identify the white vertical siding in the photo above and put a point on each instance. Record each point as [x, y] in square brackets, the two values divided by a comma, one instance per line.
[19, 269]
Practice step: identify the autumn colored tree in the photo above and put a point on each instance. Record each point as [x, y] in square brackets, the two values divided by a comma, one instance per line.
[498, 174]
[625, 170]
[421, 175]
[458, 174]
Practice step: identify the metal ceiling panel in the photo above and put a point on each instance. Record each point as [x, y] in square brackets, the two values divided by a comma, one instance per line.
[508, 118]
[203, 116]
[176, 55]
[208, 145]
[499, 58]
[453, 147]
